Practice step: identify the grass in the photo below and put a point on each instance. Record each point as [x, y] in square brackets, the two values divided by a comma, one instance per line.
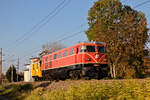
[131, 89]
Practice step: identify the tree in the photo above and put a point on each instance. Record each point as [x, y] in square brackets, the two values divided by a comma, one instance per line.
[52, 47]
[11, 74]
[125, 32]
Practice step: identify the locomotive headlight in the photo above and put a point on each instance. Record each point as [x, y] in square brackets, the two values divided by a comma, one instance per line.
[96, 56]
[105, 59]
[88, 59]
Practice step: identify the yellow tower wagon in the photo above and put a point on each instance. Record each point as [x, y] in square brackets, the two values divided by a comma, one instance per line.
[36, 68]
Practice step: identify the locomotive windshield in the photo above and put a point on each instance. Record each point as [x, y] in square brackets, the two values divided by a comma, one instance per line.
[101, 49]
[88, 49]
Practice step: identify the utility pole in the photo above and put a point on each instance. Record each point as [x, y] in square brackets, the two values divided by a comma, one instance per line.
[0, 65]
[17, 69]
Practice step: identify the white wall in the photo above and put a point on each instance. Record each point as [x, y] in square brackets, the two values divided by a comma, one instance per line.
[26, 76]
[29, 74]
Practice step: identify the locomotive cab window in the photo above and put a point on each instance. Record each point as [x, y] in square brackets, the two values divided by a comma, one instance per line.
[83, 48]
[101, 49]
[77, 50]
[50, 62]
[91, 49]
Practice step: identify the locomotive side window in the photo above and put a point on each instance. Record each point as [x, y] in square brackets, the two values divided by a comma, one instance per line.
[90, 48]
[65, 53]
[60, 55]
[46, 64]
[101, 49]
[46, 59]
[71, 51]
[83, 48]
[50, 63]
[55, 56]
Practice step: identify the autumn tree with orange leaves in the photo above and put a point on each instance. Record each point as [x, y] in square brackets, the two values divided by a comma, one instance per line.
[125, 32]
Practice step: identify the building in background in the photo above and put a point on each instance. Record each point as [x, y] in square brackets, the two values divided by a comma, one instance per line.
[28, 73]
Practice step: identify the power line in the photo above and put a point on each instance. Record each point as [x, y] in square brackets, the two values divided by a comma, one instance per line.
[70, 36]
[64, 38]
[67, 37]
[45, 22]
[124, 1]
[82, 31]
[30, 32]
[138, 5]
[42, 20]
[46, 19]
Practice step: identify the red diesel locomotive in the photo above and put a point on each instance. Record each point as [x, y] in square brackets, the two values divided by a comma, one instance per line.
[81, 60]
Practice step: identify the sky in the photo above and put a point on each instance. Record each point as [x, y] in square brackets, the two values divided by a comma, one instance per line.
[22, 34]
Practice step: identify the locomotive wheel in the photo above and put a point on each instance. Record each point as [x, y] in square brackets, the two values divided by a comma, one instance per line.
[76, 74]
[90, 72]
[47, 76]
[103, 72]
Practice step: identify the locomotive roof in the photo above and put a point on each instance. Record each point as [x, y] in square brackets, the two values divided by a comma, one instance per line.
[92, 43]
[82, 43]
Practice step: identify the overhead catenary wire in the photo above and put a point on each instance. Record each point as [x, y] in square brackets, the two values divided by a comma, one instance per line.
[44, 21]
[67, 37]
[64, 6]
[53, 14]
[64, 38]
[134, 7]
[39, 25]
[43, 24]
[140, 4]
[124, 1]
[61, 38]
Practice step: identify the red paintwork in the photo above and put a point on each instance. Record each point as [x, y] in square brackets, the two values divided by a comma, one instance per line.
[74, 59]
